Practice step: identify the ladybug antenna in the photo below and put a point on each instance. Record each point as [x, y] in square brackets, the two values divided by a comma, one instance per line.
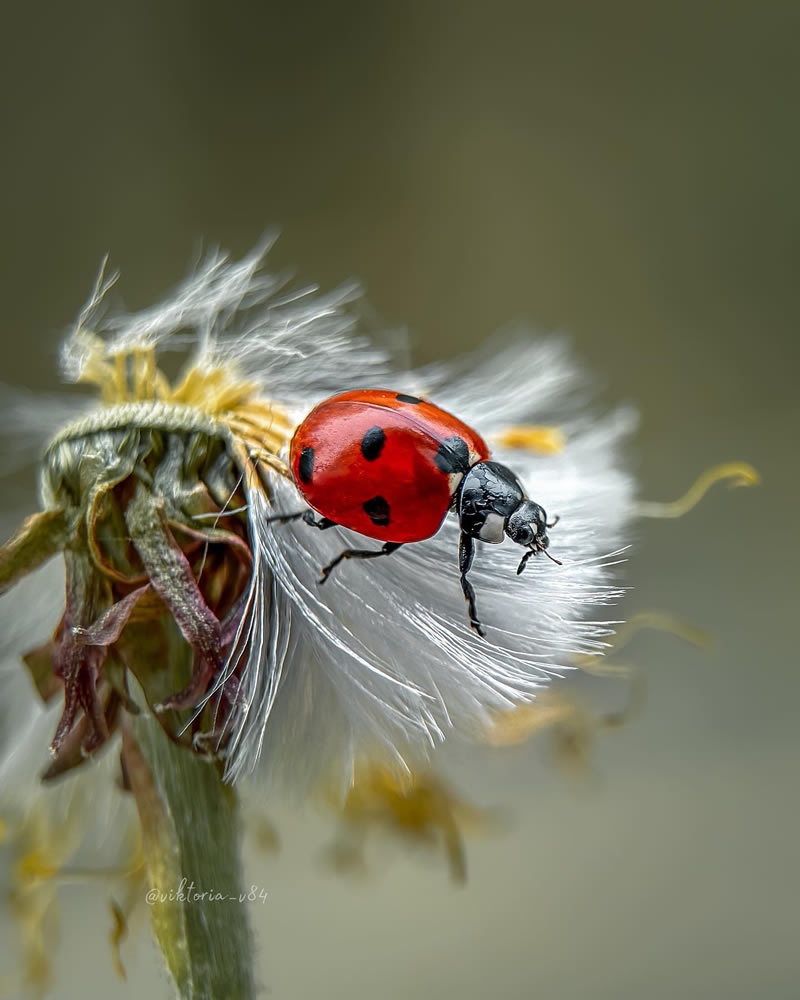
[552, 558]
[532, 552]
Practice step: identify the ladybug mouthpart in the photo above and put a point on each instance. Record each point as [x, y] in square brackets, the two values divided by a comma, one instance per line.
[533, 551]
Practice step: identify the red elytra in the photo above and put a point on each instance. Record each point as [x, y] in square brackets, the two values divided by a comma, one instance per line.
[383, 463]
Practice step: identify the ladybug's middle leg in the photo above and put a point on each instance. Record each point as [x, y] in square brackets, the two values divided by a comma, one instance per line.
[386, 550]
[466, 553]
[307, 515]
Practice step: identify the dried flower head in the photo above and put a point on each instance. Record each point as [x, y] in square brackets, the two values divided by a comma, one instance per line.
[159, 492]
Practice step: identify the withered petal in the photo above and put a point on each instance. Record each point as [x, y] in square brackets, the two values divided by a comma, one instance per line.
[83, 738]
[41, 662]
[173, 580]
[41, 536]
[109, 625]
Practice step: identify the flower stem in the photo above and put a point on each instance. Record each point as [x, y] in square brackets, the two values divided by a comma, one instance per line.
[191, 837]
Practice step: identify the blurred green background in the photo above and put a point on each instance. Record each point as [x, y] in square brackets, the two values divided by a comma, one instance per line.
[624, 172]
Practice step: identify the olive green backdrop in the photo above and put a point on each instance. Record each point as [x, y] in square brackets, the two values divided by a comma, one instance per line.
[625, 172]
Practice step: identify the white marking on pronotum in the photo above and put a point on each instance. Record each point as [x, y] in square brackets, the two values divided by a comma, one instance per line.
[493, 529]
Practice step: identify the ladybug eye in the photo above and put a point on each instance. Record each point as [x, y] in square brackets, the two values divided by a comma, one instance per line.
[525, 536]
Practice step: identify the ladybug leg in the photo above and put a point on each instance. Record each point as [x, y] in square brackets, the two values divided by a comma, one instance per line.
[386, 550]
[466, 553]
[284, 518]
[322, 522]
[307, 515]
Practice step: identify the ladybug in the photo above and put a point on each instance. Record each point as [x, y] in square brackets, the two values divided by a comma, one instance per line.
[390, 466]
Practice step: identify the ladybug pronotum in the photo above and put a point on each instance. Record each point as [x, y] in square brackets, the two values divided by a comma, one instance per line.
[390, 466]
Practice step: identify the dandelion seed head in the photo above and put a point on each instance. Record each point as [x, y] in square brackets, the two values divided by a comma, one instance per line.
[381, 661]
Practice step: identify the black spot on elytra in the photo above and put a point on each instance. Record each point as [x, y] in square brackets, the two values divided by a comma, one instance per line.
[372, 443]
[305, 467]
[401, 397]
[453, 455]
[377, 510]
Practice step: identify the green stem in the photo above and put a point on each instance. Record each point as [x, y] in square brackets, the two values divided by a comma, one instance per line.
[191, 836]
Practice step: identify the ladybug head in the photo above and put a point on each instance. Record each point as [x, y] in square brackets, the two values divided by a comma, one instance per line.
[491, 502]
[527, 526]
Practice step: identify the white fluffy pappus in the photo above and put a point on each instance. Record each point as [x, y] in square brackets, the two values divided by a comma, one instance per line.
[381, 661]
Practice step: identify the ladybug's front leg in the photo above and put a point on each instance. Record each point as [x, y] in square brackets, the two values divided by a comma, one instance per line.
[466, 552]
[386, 550]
